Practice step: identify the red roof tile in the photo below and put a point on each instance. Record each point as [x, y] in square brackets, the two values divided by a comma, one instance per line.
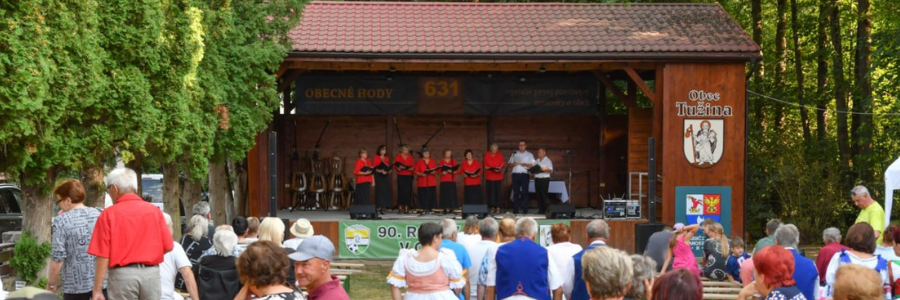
[518, 28]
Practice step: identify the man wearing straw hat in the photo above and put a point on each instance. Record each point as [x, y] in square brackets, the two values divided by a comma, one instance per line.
[301, 230]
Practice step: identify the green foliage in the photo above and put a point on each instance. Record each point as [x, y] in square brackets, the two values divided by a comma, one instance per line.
[30, 257]
[246, 41]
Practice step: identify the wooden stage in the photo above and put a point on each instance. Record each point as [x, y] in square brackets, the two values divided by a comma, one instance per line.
[621, 233]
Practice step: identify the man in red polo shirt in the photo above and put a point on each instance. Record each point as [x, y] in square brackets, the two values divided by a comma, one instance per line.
[129, 240]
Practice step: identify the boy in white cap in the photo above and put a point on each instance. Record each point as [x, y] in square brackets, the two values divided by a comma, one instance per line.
[312, 264]
[301, 230]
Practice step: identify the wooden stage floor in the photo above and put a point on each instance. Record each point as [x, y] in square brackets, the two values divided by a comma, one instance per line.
[342, 215]
[622, 232]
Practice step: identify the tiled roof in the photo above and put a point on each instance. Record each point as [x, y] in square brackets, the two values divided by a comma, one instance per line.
[518, 28]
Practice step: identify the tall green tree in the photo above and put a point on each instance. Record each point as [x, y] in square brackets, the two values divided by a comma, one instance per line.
[246, 42]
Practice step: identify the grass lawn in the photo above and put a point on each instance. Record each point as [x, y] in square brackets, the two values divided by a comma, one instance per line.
[371, 284]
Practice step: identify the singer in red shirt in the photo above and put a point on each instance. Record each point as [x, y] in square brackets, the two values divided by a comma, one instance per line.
[426, 182]
[448, 183]
[472, 171]
[363, 179]
[382, 164]
[493, 178]
[404, 164]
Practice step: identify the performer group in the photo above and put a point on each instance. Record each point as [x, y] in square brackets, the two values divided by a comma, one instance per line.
[445, 171]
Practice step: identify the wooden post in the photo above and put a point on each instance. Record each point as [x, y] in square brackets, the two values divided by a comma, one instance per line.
[657, 130]
[601, 162]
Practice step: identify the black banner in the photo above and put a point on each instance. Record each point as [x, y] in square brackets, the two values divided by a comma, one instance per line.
[355, 95]
[473, 95]
[546, 94]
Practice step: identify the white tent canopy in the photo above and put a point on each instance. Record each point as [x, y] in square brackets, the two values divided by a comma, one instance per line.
[891, 183]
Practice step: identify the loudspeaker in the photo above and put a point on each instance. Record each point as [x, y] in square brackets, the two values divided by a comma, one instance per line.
[642, 233]
[479, 210]
[561, 211]
[363, 212]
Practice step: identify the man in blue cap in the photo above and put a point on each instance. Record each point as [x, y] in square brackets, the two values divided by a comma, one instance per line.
[312, 267]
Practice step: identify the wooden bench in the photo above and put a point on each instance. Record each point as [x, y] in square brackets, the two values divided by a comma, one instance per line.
[720, 290]
[343, 271]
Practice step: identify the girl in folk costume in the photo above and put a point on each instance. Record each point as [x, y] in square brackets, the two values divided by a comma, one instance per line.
[382, 164]
[363, 173]
[429, 273]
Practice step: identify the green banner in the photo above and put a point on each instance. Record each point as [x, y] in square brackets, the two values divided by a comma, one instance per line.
[384, 239]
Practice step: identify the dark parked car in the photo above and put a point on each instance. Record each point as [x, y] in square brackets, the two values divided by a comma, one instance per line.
[10, 208]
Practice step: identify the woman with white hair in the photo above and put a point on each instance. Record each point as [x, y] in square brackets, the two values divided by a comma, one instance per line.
[217, 275]
[195, 242]
[643, 275]
[607, 272]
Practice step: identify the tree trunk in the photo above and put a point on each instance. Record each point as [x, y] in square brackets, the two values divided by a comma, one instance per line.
[138, 168]
[219, 194]
[191, 193]
[94, 187]
[798, 68]
[862, 103]
[756, 14]
[821, 71]
[172, 196]
[237, 173]
[840, 90]
[780, 61]
[37, 210]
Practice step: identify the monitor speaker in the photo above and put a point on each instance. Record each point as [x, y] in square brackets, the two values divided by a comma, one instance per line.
[561, 211]
[642, 233]
[363, 212]
[479, 210]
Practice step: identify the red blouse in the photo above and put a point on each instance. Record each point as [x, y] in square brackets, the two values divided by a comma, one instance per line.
[377, 161]
[360, 163]
[451, 177]
[472, 167]
[408, 162]
[493, 161]
[429, 179]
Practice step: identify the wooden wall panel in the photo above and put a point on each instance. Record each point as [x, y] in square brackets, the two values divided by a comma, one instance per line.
[640, 128]
[258, 181]
[621, 233]
[576, 135]
[343, 138]
[727, 79]
[615, 174]
[571, 143]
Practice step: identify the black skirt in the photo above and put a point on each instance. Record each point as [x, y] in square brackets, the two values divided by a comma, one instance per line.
[363, 193]
[382, 191]
[427, 198]
[473, 194]
[493, 192]
[404, 190]
[448, 195]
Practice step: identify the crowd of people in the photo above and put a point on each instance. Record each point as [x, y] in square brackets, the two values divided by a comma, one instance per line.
[502, 261]
[442, 174]
[127, 251]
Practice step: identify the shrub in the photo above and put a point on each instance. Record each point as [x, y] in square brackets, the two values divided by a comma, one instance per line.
[30, 257]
